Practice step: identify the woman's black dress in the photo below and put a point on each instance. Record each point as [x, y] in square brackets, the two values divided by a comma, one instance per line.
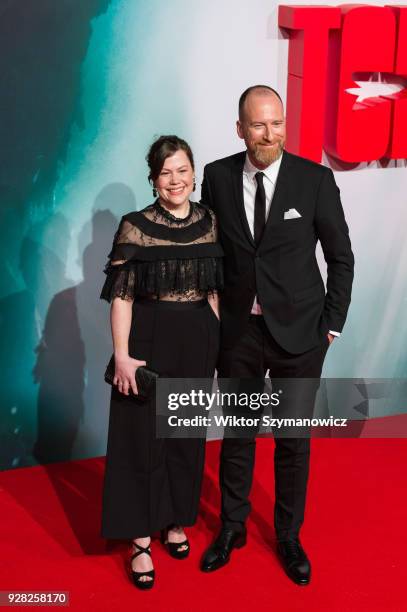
[169, 267]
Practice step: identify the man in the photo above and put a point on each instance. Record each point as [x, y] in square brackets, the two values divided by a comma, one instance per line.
[272, 208]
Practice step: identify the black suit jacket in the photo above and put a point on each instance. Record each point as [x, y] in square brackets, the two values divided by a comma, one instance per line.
[283, 271]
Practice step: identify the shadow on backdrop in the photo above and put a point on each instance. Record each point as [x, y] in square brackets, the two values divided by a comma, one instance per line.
[73, 404]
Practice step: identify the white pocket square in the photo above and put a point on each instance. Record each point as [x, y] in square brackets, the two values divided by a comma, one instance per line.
[291, 214]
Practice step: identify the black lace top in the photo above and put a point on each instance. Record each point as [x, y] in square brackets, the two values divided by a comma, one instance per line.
[156, 254]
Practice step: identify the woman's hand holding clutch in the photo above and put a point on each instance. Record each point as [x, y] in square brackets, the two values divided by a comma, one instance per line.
[124, 376]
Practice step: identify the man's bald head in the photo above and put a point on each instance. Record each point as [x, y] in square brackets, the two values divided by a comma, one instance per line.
[260, 90]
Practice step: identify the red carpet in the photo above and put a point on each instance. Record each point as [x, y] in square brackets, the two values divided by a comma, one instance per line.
[354, 533]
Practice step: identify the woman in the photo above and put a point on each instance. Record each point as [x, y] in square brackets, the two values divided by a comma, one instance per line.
[163, 274]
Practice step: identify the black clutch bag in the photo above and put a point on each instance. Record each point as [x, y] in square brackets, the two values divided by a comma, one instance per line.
[145, 379]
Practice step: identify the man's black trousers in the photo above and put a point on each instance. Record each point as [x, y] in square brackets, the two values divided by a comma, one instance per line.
[254, 354]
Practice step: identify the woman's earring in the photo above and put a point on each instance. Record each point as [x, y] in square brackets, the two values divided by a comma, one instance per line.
[154, 192]
[194, 187]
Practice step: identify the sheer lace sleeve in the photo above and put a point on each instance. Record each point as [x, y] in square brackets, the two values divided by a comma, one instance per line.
[125, 242]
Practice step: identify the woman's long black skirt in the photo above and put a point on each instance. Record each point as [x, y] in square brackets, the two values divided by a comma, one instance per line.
[149, 482]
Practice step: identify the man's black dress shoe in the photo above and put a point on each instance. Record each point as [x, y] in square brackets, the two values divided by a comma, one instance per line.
[295, 561]
[218, 554]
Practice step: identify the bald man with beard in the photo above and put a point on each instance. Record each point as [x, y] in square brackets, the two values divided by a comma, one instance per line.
[276, 314]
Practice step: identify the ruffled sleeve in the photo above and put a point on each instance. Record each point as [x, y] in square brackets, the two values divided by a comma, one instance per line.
[120, 276]
[120, 282]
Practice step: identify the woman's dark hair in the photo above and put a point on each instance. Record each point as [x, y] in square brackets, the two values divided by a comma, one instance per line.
[164, 147]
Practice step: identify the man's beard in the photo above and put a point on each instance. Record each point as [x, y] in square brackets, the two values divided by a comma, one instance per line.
[267, 155]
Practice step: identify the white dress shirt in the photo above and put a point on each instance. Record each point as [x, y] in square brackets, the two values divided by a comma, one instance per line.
[249, 196]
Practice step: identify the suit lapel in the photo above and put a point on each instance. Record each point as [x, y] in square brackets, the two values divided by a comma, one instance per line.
[280, 195]
[237, 179]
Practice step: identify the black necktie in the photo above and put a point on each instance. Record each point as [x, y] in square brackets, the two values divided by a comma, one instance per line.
[259, 209]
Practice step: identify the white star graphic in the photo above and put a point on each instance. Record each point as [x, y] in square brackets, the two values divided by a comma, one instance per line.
[374, 89]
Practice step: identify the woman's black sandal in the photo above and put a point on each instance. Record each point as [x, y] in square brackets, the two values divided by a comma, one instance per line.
[142, 584]
[174, 547]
